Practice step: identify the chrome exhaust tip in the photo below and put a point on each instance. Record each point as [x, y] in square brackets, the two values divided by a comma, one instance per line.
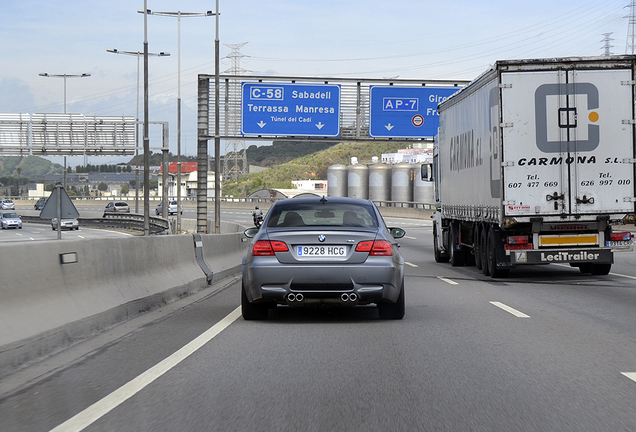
[300, 297]
[344, 297]
[291, 297]
[353, 297]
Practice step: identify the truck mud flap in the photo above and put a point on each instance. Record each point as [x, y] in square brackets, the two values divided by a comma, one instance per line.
[564, 256]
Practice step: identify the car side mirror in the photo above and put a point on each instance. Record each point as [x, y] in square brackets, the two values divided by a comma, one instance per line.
[250, 232]
[397, 233]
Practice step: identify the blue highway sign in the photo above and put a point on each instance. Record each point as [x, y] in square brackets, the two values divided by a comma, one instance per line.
[290, 109]
[405, 112]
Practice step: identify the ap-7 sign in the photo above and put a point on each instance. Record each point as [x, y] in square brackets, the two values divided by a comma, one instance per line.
[405, 112]
[290, 109]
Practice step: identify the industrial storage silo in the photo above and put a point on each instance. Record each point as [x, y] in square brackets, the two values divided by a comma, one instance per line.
[380, 182]
[358, 181]
[402, 182]
[337, 180]
[423, 191]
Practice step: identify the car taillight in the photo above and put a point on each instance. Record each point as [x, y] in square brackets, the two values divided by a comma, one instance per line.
[266, 247]
[376, 248]
[621, 236]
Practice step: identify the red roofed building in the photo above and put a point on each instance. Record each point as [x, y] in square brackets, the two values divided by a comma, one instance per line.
[188, 180]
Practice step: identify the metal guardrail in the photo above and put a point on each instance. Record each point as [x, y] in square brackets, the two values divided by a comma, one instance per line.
[129, 221]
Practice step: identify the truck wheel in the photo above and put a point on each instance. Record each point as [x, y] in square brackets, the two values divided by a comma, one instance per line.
[483, 245]
[477, 247]
[457, 256]
[491, 250]
[439, 256]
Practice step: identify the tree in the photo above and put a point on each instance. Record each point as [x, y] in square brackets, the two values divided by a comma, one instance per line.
[125, 190]
[103, 187]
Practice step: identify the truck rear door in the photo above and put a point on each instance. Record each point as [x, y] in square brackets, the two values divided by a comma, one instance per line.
[568, 144]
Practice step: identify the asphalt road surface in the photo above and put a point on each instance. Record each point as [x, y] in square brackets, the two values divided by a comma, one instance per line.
[546, 349]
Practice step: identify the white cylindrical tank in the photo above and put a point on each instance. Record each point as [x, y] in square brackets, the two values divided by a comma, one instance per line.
[358, 181]
[380, 182]
[423, 191]
[337, 180]
[402, 182]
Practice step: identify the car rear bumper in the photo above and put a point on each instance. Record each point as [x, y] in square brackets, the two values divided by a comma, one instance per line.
[323, 284]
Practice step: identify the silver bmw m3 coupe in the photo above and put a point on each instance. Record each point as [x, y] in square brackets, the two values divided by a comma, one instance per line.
[328, 251]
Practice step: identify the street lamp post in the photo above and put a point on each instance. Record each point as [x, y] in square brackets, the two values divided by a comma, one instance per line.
[44, 74]
[178, 15]
[139, 54]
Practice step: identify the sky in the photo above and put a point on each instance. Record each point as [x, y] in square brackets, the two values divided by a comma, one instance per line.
[420, 39]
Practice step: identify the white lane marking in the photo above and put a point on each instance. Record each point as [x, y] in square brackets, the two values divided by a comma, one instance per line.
[622, 275]
[410, 264]
[409, 237]
[630, 375]
[508, 309]
[448, 281]
[128, 390]
[612, 273]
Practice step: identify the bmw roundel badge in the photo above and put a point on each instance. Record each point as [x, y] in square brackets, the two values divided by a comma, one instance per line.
[321, 238]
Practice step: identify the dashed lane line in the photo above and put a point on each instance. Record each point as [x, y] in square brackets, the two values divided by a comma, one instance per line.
[510, 310]
[630, 375]
[448, 281]
[410, 264]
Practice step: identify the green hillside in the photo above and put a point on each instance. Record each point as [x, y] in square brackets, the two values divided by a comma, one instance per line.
[32, 167]
[313, 166]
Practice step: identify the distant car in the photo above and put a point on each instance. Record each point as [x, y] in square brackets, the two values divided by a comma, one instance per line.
[39, 205]
[323, 252]
[10, 219]
[172, 207]
[66, 224]
[117, 207]
[7, 204]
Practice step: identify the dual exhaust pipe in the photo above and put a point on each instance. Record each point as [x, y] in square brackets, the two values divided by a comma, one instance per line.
[291, 297]
[345, 297]
[349, 297]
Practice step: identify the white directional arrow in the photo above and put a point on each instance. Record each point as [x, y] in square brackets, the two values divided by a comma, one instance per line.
[319, 125]
[261, 124]
[389, 126]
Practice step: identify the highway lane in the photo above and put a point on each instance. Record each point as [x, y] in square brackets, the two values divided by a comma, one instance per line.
[42, 231]
[38, 232]
[544, 349]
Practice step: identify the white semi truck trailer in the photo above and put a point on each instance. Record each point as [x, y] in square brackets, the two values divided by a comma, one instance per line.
[534, 164]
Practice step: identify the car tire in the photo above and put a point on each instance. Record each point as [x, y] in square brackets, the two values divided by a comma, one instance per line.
[393, 311]
[252, 311]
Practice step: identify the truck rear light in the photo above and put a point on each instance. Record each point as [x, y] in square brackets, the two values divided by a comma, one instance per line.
[517, 243]
[516, 240]
[620, 236]
[266, 247]
[375, 248]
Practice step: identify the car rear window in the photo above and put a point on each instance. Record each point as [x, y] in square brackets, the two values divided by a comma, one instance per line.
[318, 214]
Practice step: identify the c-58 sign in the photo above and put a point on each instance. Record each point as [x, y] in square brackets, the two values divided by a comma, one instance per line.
[290, 109]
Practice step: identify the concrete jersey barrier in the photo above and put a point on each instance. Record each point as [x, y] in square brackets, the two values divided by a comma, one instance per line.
[73, 289]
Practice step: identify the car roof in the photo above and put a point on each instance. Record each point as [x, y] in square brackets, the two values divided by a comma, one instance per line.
[325, 199]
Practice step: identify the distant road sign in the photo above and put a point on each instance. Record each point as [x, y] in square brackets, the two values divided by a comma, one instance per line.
[290, 109]
[405, 112]
[68, 209]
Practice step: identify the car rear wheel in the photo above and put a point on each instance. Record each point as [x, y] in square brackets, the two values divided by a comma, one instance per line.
[393, 311]
[252, 311]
